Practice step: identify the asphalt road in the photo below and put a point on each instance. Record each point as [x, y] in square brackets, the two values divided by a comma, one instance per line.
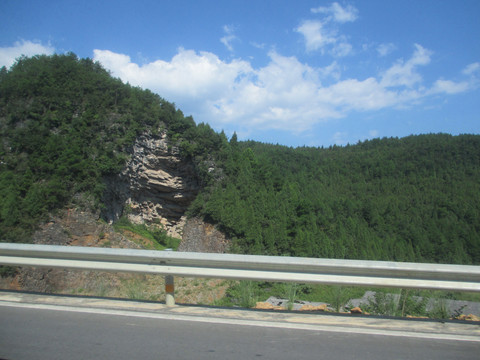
[36, 333]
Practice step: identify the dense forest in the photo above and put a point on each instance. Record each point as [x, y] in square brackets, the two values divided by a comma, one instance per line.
[65, 124]
[410, 199]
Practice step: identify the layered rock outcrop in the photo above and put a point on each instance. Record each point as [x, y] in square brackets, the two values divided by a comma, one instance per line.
[156, 186]
[199, 236]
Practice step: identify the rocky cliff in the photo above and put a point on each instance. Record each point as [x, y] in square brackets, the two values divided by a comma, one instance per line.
[155, 187]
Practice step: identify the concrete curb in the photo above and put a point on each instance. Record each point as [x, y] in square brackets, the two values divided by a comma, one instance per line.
[418, 328]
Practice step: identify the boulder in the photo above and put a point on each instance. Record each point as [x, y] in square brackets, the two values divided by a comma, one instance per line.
[469, 317]
[267, 306]
[356, 310]
[308, 307]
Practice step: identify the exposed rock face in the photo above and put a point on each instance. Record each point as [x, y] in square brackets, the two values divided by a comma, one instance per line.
[199, 236]
[156, 186]
[80, 227]
[73, 226]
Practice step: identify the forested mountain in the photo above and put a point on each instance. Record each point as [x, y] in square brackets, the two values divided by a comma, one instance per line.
[410, 199]
[65, 124]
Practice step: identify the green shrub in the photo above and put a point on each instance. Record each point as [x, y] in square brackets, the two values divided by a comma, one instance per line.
[154, 233]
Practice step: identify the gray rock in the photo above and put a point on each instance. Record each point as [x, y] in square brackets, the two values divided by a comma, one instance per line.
[156, 186]
[199, 236]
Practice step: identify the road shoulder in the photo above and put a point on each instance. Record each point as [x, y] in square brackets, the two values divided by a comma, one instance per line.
[315, 321]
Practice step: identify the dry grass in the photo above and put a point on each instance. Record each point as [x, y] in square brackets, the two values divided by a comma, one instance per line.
[130, 286]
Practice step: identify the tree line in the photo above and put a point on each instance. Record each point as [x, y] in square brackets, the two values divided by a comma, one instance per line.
[409, 199]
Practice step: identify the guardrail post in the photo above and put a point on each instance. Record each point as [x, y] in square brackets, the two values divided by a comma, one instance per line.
[169, 290]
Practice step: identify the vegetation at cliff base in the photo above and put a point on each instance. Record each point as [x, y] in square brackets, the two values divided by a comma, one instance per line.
[66, 124]
[156, 237]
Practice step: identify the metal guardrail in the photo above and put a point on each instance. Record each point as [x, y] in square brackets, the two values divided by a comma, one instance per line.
[246, 267]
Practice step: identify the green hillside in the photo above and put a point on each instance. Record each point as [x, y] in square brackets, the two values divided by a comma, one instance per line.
[65, 124]
[410, 199]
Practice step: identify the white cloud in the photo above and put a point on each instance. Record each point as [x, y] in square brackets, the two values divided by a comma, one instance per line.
[373, 133]
[405, 73]
[316, 37]
[189, 75]
[332, 70]
[319, 37]
[449, 87]
[386, 49]
[342, 49]
[471, 69]
[323, 34]
[257, 45]
[338, 13]
[359, 95]
[281, 95]
[228, 38]
[8, 55]
[285, 94]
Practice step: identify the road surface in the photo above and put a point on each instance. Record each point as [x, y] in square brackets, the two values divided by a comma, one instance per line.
[30, 332]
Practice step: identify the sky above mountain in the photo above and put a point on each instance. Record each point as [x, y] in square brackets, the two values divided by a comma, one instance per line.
[293, 72]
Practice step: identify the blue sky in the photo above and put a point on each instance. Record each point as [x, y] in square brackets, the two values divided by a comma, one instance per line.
[292, 72]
